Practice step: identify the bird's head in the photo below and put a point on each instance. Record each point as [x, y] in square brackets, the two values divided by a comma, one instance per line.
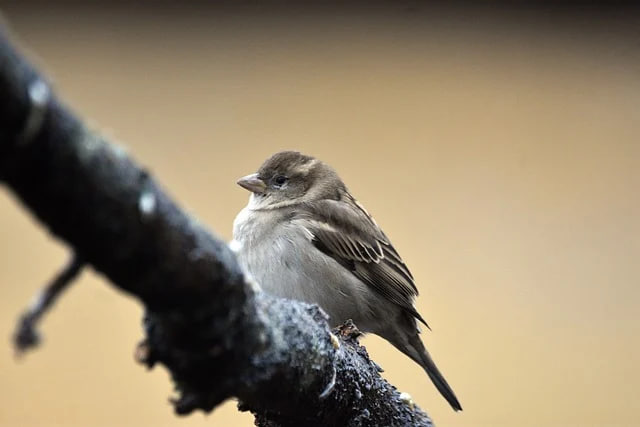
[290, 177]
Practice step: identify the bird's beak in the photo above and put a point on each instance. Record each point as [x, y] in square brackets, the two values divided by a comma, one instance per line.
[253, 183]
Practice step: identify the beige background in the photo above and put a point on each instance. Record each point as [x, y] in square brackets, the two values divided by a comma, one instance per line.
[499, 150]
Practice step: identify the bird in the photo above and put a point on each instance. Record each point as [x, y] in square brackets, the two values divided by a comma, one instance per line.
[303, 236]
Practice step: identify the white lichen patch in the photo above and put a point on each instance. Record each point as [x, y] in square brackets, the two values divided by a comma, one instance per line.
[407, 400]
[119, 150]
[147, 203]
[332, 383]
[89, 145]
[335, 342]
[39, 95]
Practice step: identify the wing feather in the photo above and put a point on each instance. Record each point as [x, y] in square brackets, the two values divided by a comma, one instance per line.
[344, 230]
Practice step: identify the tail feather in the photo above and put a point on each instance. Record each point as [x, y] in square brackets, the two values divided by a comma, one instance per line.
[421, 355]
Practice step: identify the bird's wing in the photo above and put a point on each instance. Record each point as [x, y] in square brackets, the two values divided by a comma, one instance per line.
[344, 230]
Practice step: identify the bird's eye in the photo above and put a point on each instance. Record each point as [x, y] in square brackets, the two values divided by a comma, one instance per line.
[280, 180]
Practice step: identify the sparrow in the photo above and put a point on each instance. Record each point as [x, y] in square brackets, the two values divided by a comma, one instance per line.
[303, 236]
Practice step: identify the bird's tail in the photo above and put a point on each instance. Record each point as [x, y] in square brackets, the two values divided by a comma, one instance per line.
[419, 353]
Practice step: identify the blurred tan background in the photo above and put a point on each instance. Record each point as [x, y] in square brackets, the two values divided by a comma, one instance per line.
[499, 149]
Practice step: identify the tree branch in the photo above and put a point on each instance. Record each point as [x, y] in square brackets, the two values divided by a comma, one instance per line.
[26, 335]
[215, 332]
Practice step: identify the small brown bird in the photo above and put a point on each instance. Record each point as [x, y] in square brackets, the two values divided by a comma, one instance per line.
[303, 236]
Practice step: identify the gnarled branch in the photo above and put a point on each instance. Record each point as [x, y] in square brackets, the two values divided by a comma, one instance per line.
[216, 333]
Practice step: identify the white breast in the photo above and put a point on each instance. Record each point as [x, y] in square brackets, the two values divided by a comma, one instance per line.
[284, 262]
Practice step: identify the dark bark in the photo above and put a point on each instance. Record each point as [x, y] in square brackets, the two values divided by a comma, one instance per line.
[216, 334]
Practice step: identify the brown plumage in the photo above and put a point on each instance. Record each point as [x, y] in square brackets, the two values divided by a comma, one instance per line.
[304, 236]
